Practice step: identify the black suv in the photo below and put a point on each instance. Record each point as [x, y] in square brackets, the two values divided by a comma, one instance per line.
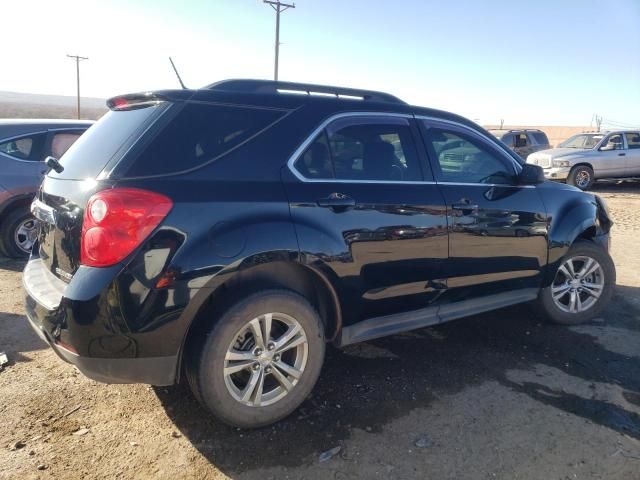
[227, 233]
[523, 142]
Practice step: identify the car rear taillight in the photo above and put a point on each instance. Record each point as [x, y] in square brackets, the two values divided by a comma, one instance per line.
[117, 221]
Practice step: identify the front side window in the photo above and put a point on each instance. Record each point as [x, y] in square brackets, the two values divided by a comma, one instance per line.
[508, 140]
[29, 147]
[463, 159]
[633, 140]
[614, 142]
[521, 140]
[363, 149]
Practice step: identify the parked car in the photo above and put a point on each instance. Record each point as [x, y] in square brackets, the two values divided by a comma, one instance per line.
[587, 157]
[523, 142]
[226, 234]
[24, 144]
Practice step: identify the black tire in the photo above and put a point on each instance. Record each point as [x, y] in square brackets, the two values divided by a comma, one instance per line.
[581, 176]
[8, 229]
[205, 366]
[582, 248]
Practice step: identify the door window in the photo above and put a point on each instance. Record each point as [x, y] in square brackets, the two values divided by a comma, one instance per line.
[521, 140]
[614, 142]
[61, 142]
[29, 147]
[463, 159]
[633, 140]
[508, 140]
[363, 149]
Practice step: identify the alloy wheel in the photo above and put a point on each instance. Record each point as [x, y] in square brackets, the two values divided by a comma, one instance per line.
[578, 284]
[583, 178]
[25, 234]
[266, 359]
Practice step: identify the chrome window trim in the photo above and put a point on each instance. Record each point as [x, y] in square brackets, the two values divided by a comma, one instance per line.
[304, 145]
[309, 140]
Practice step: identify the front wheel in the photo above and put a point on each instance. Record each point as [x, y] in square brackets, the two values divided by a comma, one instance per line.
[581, 177]
[582, 287]
[260, 360]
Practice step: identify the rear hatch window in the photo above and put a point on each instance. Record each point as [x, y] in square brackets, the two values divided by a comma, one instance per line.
[106, 140]
[200, 133]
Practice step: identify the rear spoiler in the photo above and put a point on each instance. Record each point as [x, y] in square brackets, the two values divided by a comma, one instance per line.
[134, 101]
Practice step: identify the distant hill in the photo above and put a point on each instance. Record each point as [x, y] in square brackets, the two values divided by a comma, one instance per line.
[29, 105]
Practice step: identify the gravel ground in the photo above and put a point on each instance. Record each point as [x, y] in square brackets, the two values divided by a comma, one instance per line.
[499, 395]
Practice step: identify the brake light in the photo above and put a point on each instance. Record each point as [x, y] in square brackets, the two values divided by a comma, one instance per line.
[117, 221]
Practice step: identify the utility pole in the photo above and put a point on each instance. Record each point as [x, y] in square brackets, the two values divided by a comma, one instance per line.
[598, 122]
[279, 7]
[78, 58]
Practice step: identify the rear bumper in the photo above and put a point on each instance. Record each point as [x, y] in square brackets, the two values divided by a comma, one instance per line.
[54, 316]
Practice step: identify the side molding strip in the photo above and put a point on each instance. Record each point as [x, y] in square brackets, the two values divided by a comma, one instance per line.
[402, 322]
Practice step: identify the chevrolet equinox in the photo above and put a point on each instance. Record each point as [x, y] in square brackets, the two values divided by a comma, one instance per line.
[227, 234]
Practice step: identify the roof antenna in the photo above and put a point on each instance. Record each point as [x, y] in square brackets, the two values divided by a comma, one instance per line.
[177, 74]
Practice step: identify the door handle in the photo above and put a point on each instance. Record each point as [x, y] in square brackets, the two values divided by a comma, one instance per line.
[337, 201]
[621, 154]
[464, 206]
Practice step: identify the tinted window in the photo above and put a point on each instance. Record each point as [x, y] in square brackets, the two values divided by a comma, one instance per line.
[199, 134]
[466, 160]
[521, 140]
[540, 138]
[29, 147]
[106, 139]
[315, 162]
[508, 139]
[633, 140]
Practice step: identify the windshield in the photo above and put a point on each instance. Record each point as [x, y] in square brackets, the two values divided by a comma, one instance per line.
[582, 141]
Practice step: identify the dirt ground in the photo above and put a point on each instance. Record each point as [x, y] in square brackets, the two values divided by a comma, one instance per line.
[499, 395]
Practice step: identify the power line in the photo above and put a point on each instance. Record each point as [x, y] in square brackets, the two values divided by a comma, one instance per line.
[279, 7]
[78, 58]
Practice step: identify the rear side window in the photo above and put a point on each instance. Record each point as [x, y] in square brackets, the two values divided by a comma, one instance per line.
[370, 149]
[199, 134]
[108, 138]
[29, 147]
[61, 142]
[633, 140]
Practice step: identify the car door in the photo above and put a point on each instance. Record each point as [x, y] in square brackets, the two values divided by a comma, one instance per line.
[497, 228]
[632, 165]
[611, 157]
[21, 162]
[368, 216]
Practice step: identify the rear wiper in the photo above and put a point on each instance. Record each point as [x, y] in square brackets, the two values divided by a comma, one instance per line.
[54, 164]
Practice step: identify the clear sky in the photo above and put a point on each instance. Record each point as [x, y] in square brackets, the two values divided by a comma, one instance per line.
[528, 62]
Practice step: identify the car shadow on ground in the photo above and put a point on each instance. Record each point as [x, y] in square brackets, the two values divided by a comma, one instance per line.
[12, 264]
[368, 385]
[17, 337]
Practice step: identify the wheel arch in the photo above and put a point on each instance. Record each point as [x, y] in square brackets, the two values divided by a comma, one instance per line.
[303, 279]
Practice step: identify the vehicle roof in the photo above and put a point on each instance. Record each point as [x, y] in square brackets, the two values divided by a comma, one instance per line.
[44, 121]
[291, 96]
[513, 130]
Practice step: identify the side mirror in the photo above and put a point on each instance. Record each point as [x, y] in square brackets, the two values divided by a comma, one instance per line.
[53, 164]
[531, 175]
[608, 147]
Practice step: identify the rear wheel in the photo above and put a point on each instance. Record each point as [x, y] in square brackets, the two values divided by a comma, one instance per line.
[582, 287]
[18, 232]
[581, 177]
[260, 360]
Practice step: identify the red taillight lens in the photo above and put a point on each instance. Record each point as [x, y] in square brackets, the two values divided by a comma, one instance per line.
[117, 221]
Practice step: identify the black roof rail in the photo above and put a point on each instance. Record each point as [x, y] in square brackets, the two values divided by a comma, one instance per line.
[270, 86]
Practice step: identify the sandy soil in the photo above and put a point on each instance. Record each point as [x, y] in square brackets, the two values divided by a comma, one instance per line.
[500, 395]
